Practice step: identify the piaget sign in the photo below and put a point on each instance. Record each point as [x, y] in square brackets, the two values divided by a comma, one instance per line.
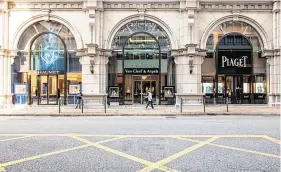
[234, 62]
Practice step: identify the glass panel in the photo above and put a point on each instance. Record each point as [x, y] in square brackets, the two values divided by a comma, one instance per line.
[43, 90]
[47, 53]
[220, 85]
[52, 89]
[246, 84]
[207, 85]
[260, 84]
[122, 35]
[233, 26]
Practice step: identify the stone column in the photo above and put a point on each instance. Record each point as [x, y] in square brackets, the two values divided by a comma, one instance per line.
[2, 97]
[93, 84]
[188, 77]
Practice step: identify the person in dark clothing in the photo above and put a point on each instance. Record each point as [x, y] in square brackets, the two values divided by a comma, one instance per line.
[58, 93]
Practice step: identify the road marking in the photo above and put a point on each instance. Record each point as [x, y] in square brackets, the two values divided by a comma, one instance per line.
[43, 155]
[235, 148]
[135, 136]
[15, 138]
[272, 139]
[177, 155]
[122, 154]
[50, 154]
[2, 169]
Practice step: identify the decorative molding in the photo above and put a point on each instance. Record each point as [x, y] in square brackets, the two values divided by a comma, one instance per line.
[236, 6]
[236, 15]
[45, 5]
[135, 5]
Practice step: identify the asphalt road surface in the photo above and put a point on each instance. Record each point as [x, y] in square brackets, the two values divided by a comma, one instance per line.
[191, 144]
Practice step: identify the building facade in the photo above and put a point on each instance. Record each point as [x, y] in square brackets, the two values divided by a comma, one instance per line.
[177, 49]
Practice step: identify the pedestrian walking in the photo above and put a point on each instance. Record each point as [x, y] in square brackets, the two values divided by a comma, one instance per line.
[149, 100]
[79, 100]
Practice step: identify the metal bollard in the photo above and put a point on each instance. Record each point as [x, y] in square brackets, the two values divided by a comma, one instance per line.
[181, 105]
[59, 104]
[204, 104]
[105, 104]
[82, 106]
[226, 104]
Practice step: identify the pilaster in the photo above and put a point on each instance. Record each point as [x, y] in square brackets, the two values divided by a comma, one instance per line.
[188, 74]
[94, 84]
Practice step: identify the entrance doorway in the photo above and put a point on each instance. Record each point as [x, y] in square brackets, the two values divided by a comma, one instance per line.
[234, 88]
[141, 84]
[137, 86]
[48, 91]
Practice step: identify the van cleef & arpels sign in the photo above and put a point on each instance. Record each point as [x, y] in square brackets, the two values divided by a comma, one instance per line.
[142, 71]
[234, 62]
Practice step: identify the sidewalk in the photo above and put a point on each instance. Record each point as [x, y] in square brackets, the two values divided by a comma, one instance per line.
[141, 111]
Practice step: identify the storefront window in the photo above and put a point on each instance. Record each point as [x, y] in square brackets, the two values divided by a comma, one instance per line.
[260, 84]
[207, 85]
[220, 85]
[246, 84]
[146, 62]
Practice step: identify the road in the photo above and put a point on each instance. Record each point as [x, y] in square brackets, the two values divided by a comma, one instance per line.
[193, 144]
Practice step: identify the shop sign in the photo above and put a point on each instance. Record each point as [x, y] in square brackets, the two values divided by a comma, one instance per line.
[234, 62]
[238, 62]
[49, 72]
[142, 71]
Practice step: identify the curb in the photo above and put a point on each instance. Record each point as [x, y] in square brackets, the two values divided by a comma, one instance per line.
[168, 115]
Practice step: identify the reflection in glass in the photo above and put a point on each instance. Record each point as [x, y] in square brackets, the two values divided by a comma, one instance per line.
[246, 84]
[220, 85]
[207, 85]
[260, 84]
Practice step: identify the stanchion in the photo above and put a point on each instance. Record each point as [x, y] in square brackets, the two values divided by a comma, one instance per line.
[82, 106]
[104, 104]
[181, 105]
[226, 105]
[59, 104]
[204, 104]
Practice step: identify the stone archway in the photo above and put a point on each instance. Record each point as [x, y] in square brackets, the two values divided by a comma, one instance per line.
[262, 36]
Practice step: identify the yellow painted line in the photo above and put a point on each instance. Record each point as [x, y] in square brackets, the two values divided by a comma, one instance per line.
[272, 139]
[177, 155]
[50, 154]
[42, 155]
[235, 148]
[15, 138]
[2, 169]
[141, 136]
[122, 154]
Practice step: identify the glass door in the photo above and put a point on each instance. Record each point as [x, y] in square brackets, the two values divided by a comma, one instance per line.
[48, 90]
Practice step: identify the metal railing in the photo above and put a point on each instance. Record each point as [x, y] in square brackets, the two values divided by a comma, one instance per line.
[223, 101]
[82, 104]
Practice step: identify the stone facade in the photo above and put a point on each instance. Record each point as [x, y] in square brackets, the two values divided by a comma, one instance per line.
[188, 24]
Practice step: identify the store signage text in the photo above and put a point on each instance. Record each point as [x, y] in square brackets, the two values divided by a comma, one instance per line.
[150, 71]
[238, 62]
[48, 72]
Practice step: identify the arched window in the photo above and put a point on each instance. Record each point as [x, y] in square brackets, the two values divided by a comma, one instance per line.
[141, 61]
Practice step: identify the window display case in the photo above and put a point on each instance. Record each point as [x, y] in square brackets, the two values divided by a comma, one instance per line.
[260, 89]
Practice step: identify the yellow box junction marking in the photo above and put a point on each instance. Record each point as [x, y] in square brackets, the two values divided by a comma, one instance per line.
[150, 165]
[14, 138]
[234, 148]
[122, 154]
[2, 169]
[52, 153]
[272, 139]
[177, 155]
